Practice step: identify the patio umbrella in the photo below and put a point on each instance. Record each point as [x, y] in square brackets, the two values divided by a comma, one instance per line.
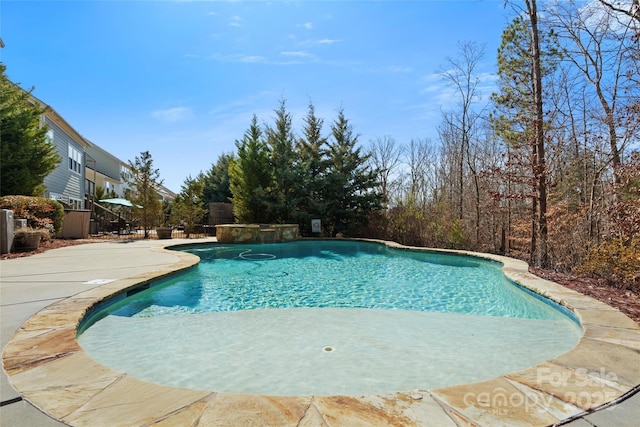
[118, 201]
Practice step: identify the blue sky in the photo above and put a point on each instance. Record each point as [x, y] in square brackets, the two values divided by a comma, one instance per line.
[183, 78]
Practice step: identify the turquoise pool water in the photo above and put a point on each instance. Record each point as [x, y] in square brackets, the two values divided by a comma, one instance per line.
[327, 317]
[342, 274]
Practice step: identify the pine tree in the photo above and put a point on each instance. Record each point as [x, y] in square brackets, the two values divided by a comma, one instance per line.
[216, 181]
[283, 164]
[249, 177]
[350, 185]
[27, 156]
[145, 182]
[525, 57]
[188, 207]
[312, 149]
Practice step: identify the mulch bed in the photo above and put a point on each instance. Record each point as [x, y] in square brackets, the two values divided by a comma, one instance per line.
[625, 300]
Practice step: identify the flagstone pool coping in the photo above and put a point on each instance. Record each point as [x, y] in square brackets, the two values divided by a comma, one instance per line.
[50, 370]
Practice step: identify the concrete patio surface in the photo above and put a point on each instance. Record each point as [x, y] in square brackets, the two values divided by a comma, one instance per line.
[42, 298]
[29, 284]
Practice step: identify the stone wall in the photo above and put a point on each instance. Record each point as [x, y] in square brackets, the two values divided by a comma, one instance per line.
[256, 233]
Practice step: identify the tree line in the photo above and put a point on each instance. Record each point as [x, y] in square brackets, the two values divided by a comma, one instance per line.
[547, 169]
[278, 177]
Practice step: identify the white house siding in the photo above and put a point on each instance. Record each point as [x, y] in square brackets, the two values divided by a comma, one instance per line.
[105, 163]
[64, 183]
[110, 167]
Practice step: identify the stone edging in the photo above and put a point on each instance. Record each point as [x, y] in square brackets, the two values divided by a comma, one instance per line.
[47, 366]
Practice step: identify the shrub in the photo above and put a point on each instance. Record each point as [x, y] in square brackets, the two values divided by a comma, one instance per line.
[457, 238]
[40, 212]
[615, 261]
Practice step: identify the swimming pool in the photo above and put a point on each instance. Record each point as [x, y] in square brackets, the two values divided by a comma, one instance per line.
[327, 317]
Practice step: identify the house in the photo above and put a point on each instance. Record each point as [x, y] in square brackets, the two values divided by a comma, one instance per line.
[67, 182]
[84, 167]
[107, 171]
[165, 195]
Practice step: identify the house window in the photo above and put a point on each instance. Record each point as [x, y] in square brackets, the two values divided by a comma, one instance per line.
[75, 203]
[75, 159]
[125, 173]
[89, 187]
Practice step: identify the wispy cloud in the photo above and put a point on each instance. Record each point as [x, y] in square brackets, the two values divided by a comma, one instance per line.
[487, 85]
[307, 25]
[441, 95]
[297, 53]
[292, 58]
[391, 69]
[445, 96]
[240, 110]
[315, 42]
[327, 41]
[235, 21]
[597, 16]
[253, 58]
[239, 57]
[398, 69]
[172, 115]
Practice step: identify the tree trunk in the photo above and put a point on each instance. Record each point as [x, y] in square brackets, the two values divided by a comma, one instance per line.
[613, 136]
[541, 173]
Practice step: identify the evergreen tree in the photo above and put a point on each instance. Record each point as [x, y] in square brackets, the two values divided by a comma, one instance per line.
[188, 207]
[216, 181]
[517, 119]
[145, 182]
[350, 185]
[27, 156]
[312, 150]
[283, 164]
[249, 177]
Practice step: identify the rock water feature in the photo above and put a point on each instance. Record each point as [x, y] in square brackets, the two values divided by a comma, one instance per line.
[256, 233]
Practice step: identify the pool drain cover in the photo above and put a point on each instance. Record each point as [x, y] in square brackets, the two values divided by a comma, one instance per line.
[327, 349]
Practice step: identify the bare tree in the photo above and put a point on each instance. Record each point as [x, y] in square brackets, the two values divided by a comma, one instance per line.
[385, 158]
[419, 158]
[460, 74]
[597, 46]
[632, 9]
